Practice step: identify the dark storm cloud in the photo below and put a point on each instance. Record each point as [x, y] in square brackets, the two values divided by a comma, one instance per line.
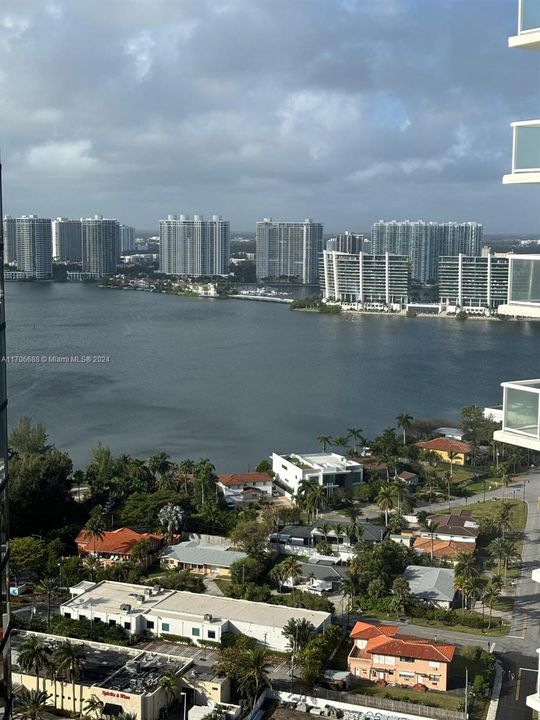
[344, 110]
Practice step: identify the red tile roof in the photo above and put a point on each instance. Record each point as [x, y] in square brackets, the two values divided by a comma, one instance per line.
[444, 444]
[251, 478]
[444, 548]
[384, 640]
[119, 542]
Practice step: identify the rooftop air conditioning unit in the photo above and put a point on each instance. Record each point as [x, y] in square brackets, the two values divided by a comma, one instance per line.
[156, 589]
[125, 608]
[148, 591]
[139, 598]
[208, 617]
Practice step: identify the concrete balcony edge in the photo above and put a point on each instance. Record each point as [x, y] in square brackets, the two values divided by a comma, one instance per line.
[529, 40]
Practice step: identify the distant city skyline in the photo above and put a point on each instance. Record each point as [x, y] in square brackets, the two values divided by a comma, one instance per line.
[361, 110]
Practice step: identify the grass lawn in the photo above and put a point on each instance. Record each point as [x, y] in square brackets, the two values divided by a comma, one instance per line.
[489, 509]
[427, 699]
[222, 583]
[496, 630]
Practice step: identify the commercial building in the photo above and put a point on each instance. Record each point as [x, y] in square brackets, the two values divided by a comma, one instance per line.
[10, 239]
[127, 238]
[379, 653]
[347, 242]
[202, 558]
[365, 282]
[100, 245]
[138, 609]
[5, 627]
[194, 247]
[330, 470]
[523, 287]
[288, 250]
[67, 240]
[117, 545]
[239, 488]
[433, 586]
[424, 242]
[477, 285]
[128, 681]
[34, 246]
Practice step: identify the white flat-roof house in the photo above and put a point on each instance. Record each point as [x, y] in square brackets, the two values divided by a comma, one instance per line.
[138, 609]
[330, 470]
[520, 414]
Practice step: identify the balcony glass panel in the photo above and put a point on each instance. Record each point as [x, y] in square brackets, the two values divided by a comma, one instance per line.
[525, 281]
[530, 15]
[521, 411]
[526, 148]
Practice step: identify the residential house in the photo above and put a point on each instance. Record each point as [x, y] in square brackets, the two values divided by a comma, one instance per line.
[117, 545]
[442, 446]
[303, 539]
[431, 585]
[380, 654]
[330, 470]
[201, 558]
[241, 488]
[320, 576]
[443, 549]
[450, 432]
[457, 526]
[409, 478]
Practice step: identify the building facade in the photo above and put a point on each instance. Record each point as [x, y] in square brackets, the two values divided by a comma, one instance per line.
[330, 470]
[365, 281]
[194, 247]
[424, 242]
[523, 287]
[347, 242]
[67, 240]
[288, 250]
[474, 284]
[100, 245]
[34, 246]
[127, 238]
[5, 628]
[10, 239]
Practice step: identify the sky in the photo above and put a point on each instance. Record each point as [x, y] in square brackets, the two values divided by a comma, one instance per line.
[346, 111]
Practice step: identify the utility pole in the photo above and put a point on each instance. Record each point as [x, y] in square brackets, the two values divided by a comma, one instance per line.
[466, 692]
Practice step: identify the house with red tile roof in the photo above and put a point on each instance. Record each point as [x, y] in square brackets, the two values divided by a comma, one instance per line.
[381, 654]
[116, 545]
[443, 549]
[441, 446]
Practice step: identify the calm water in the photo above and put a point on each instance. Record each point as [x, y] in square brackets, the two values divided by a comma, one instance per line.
[234, 380]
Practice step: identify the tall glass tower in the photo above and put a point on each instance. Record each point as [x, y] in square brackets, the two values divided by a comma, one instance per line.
[5, 678]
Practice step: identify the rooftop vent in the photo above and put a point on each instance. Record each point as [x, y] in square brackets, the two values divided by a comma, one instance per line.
[207, 617]
[125, 608]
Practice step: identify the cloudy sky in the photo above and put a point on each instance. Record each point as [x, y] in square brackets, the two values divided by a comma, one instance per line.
[343, 110]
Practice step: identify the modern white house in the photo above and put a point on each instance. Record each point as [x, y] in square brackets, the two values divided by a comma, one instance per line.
[520, 414]
[140, 609]
[330, 470]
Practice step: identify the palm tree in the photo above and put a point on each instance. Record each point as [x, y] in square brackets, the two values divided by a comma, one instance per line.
[255, 674]
[324, 528]
[341, 441]
[70, 659]
[93, 565]
[355, 434]
[385, 501]
[465, 565]
[338, 530]
[404, 422]
[33, 656]
[31, 704]
[169, 683]
[298, 633]
[490, 594]
[171, 518]
[350, 532]
[401, 595]
[324, 441]
[95, 527]
[505, 479]
[503, 520]
[451, 455]
[186, 468]
[292, 569]
[49, 587]
[504, 550]
[159, 464]
[94, 706]
[277, 574]
[431, 527]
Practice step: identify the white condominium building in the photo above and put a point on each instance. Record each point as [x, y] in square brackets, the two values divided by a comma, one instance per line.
[194, 247]
[366, 281]
[474, 284]
[101, 245]
[127, 237]
[67, 240]
[289, 250]
[34, 246]
[347, 242]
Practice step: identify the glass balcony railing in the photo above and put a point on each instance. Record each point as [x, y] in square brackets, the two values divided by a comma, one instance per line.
[525, 153]
[529, 16]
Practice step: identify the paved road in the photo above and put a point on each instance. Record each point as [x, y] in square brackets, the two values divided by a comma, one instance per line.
[519, 681]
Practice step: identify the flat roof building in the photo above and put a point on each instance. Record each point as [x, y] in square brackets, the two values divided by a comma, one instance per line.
[473, 284]
[330, 470]
[138, 608]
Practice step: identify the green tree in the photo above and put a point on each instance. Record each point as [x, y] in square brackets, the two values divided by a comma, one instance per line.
[404, 422]
[31, 704]
[27, 438]
[324, 441]
[385, 501]
[298, 633]
[490, 594]
[49, 588]
[355, 434]
[251, 536]
[70, 658]
[401, 596]
[142, 552]
[94, 707]
[27, 554]
[159, 464]
[171, 519]
[33, 656]
[169, 684]
[94, 529]
[292, 570]
[250, 569]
